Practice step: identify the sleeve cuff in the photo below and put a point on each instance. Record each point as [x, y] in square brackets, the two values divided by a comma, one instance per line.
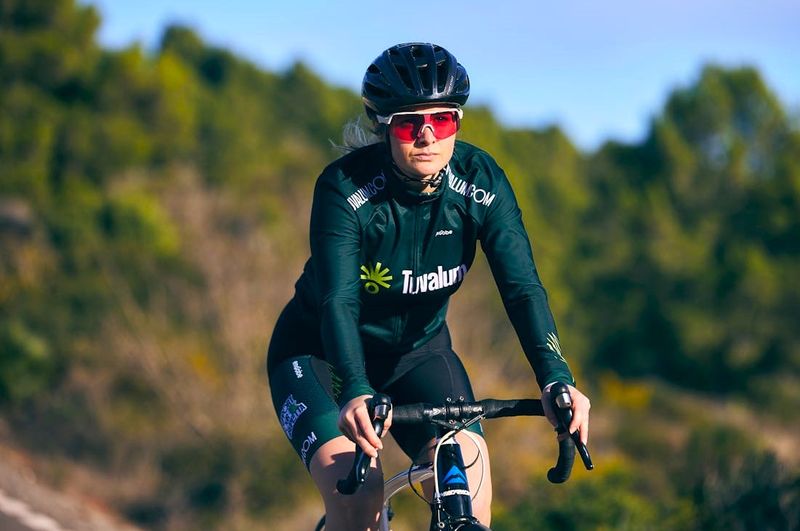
[350, 392]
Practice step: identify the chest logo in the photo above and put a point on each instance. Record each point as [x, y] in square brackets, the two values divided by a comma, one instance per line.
[375, 277]
[433, 281]
[470, 191]
[362, 196]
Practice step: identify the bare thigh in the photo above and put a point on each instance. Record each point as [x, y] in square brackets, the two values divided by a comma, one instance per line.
[360, 511]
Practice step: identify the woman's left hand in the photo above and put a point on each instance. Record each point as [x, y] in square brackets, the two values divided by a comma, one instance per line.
[580, 412]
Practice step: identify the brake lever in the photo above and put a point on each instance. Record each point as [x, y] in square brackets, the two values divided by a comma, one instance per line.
[562, 401]
[379, 406]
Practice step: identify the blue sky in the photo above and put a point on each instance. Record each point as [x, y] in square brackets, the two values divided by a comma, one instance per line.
[599, 70]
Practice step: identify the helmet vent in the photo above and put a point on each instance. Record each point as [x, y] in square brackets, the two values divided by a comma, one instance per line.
[379, 92]
[417, 52]
[441, 77]
[405, 75]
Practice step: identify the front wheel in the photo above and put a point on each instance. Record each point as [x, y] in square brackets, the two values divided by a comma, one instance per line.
[472, 527]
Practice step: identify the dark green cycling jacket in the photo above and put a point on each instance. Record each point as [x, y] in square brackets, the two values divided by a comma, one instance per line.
[385, 261]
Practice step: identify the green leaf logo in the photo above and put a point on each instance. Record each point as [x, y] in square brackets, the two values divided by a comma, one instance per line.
[375, 277]
[555, 346]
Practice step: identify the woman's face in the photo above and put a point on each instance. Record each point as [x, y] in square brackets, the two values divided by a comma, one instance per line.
[425, 155]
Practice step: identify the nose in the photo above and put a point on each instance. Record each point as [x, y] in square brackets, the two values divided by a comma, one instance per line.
[425, 135]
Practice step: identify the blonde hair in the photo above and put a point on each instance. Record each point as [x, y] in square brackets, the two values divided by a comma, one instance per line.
[355, 135]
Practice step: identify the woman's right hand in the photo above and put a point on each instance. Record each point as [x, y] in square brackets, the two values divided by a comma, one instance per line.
[355, 423]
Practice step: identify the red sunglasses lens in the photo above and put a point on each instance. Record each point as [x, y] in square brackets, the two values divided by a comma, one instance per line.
[407, 127]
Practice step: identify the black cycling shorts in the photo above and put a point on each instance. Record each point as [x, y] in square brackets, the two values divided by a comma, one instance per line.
[302, 390]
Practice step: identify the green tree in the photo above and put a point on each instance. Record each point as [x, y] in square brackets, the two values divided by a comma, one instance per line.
[678, 242]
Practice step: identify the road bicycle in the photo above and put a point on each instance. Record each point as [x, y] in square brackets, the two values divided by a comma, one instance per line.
[451, 504]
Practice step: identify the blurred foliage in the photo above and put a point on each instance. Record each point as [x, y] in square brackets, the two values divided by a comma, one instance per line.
[153, 214]
[27, 365]
[683, 245]
[735, 485]
[613, 498]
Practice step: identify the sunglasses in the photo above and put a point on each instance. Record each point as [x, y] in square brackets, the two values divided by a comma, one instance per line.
[407, 126]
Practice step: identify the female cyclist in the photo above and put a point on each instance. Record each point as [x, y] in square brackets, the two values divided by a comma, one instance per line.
[394, 227]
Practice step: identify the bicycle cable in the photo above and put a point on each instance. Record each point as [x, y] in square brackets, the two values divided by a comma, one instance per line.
[413, 488]
[478, 457]
[473, 438]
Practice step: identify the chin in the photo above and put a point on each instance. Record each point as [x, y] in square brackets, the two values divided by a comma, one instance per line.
[423, 170]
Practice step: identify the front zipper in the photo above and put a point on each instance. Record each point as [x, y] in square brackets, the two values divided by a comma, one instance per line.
[416, 257]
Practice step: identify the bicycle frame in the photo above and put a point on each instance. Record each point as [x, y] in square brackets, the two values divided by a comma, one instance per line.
[451, 505]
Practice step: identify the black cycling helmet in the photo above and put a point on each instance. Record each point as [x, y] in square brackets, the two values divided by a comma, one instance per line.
[413, 74]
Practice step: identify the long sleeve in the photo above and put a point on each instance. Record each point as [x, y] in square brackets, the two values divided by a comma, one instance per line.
[507, 247]
[336, 246]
